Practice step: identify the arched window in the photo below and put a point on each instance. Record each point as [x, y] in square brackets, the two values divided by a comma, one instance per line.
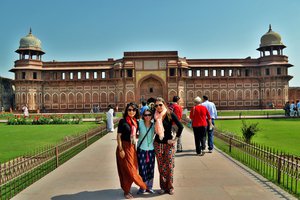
[255, 95]
[71, 98]
[47, 98]
[190, 96]
[247, 94]
[267, 94]
[103, 97]
[130, 96]
[35, 98]
[240, 95]
[121, 98]
[199, 93]
[63, 98]
[23, 98]
[223, 96]
[171, 95]
[111, 97]
[273, 93]
[231, 95]
[95, 98]
[79, 98]
[87, 98]
[279, 93]
[55, 98]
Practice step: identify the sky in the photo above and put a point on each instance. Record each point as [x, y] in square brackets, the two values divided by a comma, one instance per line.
[91, 30]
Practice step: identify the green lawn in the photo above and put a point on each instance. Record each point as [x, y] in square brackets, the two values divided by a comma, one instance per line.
[20, 139]
[250, 112]
[281, 134]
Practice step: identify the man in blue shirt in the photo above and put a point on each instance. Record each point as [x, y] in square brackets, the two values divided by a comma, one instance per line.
[211, 107]
[143, 108]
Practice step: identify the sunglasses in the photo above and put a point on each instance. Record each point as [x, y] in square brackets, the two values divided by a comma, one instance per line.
[160, 105]
[129, 110]
[147, 115]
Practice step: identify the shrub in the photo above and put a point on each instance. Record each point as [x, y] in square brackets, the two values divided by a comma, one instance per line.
[44, 119]
[249, 131]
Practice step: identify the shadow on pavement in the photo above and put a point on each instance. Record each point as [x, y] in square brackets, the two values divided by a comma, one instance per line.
[92, 195]
[111, 194]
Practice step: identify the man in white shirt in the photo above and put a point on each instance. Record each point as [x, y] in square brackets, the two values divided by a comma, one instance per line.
[211, 107]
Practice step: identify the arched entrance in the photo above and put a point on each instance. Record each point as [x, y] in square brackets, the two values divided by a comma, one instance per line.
[151, 87]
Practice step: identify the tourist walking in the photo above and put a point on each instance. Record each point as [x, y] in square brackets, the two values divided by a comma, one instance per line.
[292, 109]
[110, 119]
[145, 150]
[126, 153]
[286, 109]
[211, 107]
[177, 109]
[298, 107]
[200, 116]
[143, 108]
[25, 111]
[164, 144]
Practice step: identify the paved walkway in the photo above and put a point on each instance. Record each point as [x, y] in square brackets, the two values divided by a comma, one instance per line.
[92, 175]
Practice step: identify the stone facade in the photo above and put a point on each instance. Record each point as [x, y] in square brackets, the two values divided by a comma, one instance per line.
[247, 83]
[294, 94]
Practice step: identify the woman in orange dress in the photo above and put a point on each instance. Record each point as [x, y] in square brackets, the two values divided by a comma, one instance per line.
[126, 153]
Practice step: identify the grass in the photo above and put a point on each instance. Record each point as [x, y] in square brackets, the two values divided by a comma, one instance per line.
[17, 140]
[266, 169]
[250, 112]
[281, 134]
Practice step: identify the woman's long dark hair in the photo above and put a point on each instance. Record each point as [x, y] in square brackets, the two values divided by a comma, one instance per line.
[165, 104]
[134, 106]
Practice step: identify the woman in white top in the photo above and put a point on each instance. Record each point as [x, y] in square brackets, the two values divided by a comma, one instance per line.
[145, 151]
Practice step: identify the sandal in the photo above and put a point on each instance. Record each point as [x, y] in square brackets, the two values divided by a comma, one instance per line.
[151, 191]
[171, 192]
[161, 191]
[128, 196]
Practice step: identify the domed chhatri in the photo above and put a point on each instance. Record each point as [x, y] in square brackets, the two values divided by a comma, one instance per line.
[271, 38]
[30, 42]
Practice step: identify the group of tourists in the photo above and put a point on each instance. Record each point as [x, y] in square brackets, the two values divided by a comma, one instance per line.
[154, 131]
[292, 109]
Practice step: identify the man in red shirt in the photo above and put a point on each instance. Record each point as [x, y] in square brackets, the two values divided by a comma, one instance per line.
[199, 116]
[177, 109]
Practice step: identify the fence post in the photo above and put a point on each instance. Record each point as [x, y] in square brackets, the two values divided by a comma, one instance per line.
[56, 154]
[86, 140]
[230, 141]
[279, 169]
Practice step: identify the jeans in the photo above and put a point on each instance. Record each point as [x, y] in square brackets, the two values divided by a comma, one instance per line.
[210, 136]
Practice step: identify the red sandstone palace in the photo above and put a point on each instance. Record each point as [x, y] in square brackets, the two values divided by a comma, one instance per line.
[81, 85]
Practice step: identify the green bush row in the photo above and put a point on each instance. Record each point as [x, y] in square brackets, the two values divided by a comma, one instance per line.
[40, 120]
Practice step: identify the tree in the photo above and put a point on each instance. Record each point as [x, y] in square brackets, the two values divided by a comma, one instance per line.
[249, 130]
